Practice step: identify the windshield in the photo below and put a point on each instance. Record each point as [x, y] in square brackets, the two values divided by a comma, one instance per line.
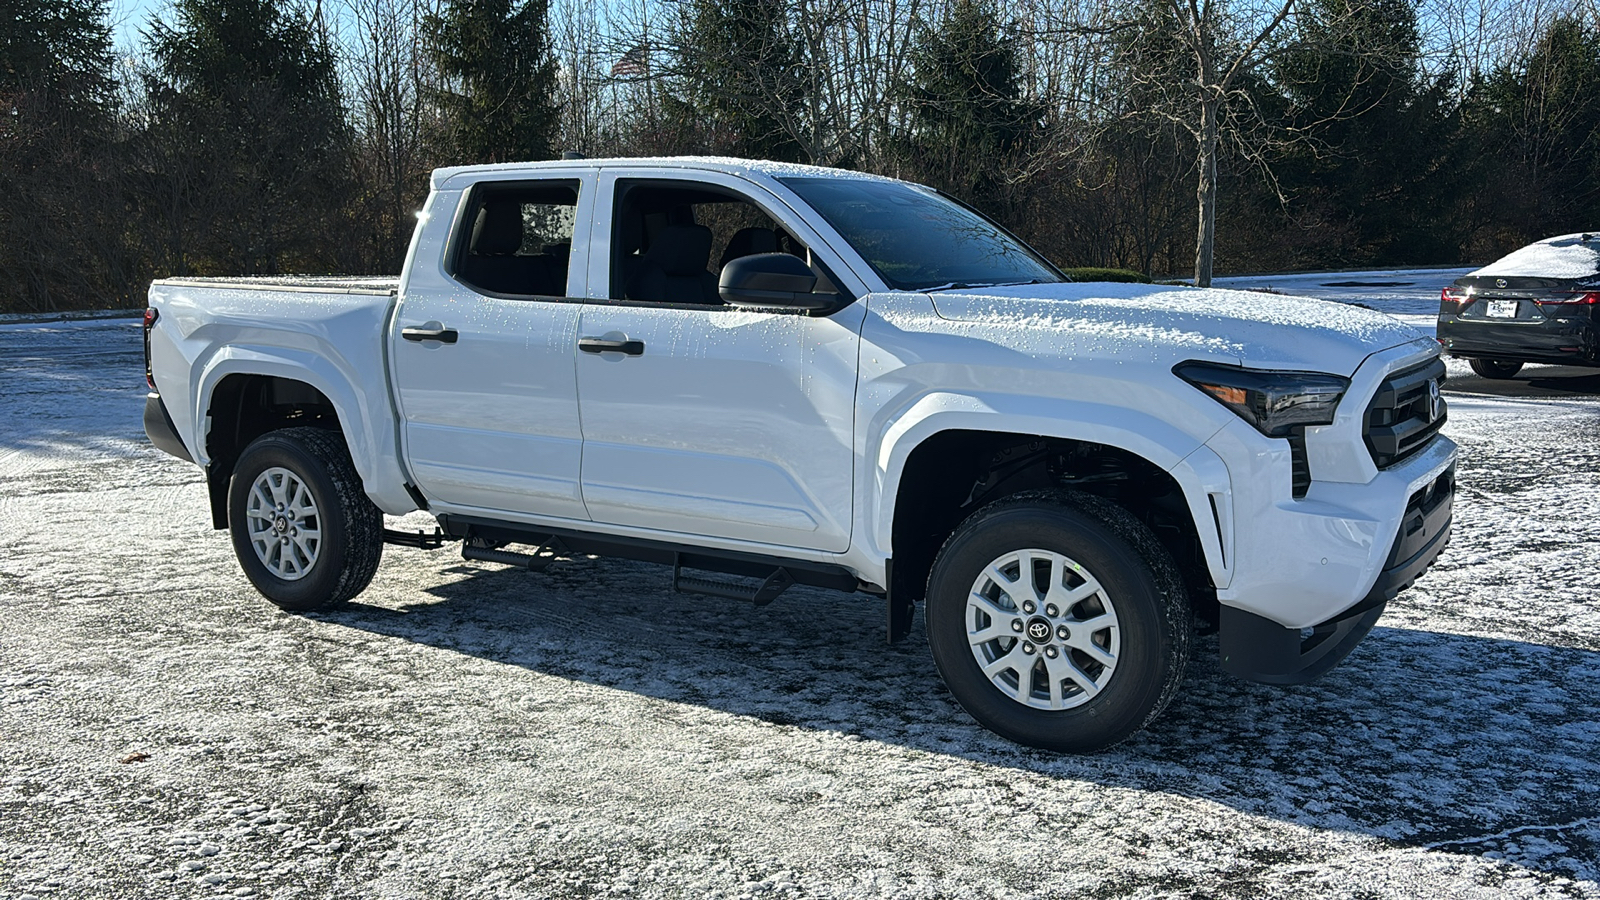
[919, 241]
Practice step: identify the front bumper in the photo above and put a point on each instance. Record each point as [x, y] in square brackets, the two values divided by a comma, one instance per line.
[1306, 574]
[1256, 648]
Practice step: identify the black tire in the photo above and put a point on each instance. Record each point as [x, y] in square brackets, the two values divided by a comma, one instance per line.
[1134, 571]
[351, 527]
[1494, 368]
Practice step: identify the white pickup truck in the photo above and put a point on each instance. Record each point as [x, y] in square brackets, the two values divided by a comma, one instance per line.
[764, 374]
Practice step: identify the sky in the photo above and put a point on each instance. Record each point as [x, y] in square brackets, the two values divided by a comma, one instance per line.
[129, 17]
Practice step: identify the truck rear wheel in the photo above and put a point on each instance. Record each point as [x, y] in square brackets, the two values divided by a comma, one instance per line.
[303, 528]
[1058, 621]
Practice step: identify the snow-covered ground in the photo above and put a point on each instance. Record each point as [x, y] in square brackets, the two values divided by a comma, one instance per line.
[466, 730]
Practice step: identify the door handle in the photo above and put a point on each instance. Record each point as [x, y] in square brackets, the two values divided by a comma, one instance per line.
[441, 334]
[601, 345]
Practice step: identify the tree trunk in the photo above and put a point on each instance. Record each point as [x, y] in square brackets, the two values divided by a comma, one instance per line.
[1206, 234]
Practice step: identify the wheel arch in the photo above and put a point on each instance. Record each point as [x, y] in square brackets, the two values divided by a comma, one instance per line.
[231, 403]
[935, 468]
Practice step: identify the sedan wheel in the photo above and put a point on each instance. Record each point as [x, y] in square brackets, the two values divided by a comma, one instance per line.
[1494, 368]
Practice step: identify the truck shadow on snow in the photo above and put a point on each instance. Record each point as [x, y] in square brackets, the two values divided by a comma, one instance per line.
[1459, 744]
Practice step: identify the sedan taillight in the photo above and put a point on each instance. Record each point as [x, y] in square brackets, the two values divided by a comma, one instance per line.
[1587, 298]
[1452, 299]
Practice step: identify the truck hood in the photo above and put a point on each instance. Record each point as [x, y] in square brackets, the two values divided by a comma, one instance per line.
[1176, 323]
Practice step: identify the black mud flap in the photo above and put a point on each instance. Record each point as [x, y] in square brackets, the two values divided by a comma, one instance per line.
[1258, 649]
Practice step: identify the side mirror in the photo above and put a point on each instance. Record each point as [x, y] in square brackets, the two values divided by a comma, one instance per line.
[772, 280]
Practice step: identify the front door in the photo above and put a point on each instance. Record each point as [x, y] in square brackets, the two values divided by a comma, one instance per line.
[701, 418]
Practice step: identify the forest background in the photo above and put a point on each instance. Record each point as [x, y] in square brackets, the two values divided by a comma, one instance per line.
[1166, 137]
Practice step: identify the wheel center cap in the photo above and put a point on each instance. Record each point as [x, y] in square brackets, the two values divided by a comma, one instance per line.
[280, 525]
[1039, 629]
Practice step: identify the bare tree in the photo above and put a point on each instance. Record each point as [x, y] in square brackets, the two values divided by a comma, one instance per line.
[1224, 41]
[388, 75]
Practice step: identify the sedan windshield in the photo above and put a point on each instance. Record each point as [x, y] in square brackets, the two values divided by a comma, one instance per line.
[917, 240]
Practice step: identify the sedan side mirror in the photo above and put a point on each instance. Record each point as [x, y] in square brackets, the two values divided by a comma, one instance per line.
[772, 280]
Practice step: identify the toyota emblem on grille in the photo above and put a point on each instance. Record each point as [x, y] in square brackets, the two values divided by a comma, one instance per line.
[1434, 400]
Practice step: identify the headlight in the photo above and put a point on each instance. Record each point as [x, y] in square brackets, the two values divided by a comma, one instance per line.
[1274, 402]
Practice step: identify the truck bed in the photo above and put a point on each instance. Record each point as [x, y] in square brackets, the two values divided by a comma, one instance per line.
[312, 284]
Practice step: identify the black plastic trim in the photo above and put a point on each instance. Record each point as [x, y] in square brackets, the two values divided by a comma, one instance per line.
[419, 334]
[1300, 463]
[601, 345]
[158, 426]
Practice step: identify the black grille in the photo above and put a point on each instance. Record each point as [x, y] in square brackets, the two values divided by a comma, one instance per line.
[1406, 413]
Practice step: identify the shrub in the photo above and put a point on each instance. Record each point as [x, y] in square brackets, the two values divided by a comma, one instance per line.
[1092, 273]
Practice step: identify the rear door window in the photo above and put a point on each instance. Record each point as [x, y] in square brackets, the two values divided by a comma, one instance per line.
[516, 238]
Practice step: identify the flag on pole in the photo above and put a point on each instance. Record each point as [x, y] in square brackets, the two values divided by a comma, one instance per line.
[634, 62]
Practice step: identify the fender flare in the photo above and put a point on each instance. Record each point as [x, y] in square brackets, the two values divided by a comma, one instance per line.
[1200, 473]
[359, 422]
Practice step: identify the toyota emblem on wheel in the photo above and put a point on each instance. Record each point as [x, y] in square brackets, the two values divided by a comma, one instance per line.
[1039, 630]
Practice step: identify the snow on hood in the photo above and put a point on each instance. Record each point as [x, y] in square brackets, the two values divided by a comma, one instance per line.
[1567, 256]
[1254, 329]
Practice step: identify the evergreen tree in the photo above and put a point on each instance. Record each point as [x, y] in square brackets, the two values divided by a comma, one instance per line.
[59, 46]
[60, 213]
[246, 153]
[965, 104]
[1374, 132]
[499, 101]
[1533, 128]
[741, 73]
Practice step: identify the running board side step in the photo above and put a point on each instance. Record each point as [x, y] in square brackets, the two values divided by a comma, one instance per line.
[480, 549]
[420, 539]
[493, 534]
[761, 595]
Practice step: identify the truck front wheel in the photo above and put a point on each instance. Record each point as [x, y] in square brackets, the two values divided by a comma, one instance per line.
[1058, 621]
[303, 528]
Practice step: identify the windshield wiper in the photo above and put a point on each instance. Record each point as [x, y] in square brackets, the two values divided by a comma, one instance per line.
[957, 285]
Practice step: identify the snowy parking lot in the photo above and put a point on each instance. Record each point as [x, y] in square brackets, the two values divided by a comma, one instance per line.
[469, 730]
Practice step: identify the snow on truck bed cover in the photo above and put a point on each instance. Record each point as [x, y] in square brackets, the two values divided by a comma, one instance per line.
[332, 284]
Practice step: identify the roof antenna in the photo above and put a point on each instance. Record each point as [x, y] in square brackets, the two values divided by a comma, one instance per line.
[572, 154]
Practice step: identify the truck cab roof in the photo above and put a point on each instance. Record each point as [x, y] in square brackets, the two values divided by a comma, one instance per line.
[729, 165]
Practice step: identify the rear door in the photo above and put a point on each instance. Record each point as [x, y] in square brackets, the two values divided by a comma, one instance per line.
[483, 344]
[712, 420]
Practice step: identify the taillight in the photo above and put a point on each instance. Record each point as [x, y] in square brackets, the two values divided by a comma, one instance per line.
[1453, 299]
[150, 316]
[1588, 298]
